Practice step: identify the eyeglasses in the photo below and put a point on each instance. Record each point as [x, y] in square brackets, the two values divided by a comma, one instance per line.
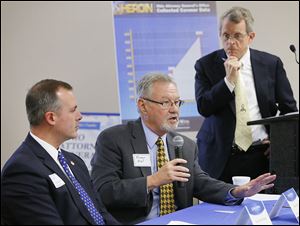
[236, 37]
[166, 104]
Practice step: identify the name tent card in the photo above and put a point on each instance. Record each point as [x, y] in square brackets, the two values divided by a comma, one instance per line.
[289, 198]
[254, 213]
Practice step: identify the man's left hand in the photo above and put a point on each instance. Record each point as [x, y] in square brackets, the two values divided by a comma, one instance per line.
[254, 186]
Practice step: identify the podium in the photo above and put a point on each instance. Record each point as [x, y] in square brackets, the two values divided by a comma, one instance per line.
[284, 156]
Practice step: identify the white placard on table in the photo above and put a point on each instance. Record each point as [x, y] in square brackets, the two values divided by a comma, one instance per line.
[289, 198]
[254, 213]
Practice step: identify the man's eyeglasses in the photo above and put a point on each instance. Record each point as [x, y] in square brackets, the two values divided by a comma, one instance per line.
[166, 104]
[236, 37]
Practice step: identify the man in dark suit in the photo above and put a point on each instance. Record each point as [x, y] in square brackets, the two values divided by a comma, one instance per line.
[267, 91]
[127, 166]
[35, 188]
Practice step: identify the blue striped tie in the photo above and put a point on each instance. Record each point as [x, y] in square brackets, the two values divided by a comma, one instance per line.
[83, 195]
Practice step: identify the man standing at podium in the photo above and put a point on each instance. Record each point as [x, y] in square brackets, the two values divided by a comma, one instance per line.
[232, 86]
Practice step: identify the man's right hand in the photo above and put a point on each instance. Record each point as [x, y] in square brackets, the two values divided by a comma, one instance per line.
[232, 66]
[170, 172]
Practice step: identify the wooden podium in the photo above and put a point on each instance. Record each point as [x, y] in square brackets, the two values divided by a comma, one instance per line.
[284, 157]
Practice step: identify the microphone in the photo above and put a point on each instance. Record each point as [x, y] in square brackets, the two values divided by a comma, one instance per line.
[293, 49]
[178, 143]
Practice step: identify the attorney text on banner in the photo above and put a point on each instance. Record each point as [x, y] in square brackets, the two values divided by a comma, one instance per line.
[89, 128]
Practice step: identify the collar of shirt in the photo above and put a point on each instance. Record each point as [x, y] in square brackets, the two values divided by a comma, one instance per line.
[151, 137]
[52, 151]
[245, 60]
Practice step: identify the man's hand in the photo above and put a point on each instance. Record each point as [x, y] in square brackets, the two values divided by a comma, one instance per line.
[170, 172]
[232, 66]
[254, 186]
[267, 152]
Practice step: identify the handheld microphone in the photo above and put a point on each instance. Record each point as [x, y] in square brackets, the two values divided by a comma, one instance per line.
[178, 143]
[293, 49]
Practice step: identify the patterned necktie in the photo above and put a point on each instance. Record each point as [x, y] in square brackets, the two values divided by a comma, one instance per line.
[243, 134]
[167, 203]
[82, 193]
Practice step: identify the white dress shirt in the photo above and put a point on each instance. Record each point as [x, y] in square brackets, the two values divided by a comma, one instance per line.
[52, 151]
[258, 131]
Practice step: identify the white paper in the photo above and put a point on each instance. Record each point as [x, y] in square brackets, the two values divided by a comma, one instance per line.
[224, 211]
[264, 197]
[179, 223]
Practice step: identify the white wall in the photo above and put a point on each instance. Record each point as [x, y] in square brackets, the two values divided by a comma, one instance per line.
[74, 42]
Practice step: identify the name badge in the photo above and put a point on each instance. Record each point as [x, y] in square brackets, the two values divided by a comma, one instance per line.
[56, 180]
[141, 160]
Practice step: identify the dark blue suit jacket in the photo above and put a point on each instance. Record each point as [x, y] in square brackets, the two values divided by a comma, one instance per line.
[216, 103]
[28, 195]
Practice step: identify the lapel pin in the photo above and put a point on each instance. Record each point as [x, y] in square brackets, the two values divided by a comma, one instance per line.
[72, 163]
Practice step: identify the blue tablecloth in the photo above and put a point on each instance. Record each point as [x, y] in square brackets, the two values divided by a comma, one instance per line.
[207, 213]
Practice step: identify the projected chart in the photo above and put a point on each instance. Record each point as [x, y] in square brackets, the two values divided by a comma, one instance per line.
[167, 37]
[179, 72]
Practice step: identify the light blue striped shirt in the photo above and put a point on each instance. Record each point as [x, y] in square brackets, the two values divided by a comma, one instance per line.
[151, 139]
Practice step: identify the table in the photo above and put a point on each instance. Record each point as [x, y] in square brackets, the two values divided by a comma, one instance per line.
[213, 214]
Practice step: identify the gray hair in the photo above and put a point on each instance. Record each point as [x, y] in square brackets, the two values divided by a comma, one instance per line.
[236, 15]
[144, 86]
[42, 98]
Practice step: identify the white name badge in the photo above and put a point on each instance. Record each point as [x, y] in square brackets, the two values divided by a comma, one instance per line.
[254, 213]
[291, 199]
[141, 160]
[56, 180]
